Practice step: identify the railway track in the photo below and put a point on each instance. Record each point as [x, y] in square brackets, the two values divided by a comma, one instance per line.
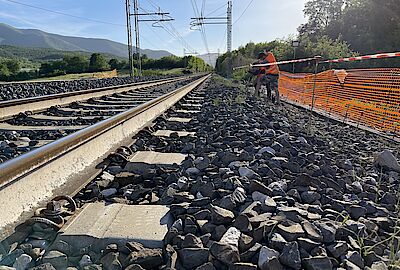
[27, 124]
[214, 179]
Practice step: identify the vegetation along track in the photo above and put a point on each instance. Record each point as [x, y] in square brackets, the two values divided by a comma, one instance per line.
[221, 180]
[29, 123]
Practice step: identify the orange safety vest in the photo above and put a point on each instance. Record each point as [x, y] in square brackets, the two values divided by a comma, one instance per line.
[274, 69]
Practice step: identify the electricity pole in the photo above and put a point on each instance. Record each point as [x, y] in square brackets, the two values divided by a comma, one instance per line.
[129, 31]
[229, 37]
[199, 21]
[138, 54]
[164, 18]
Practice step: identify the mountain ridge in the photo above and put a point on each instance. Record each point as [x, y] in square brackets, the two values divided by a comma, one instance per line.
[36, 38]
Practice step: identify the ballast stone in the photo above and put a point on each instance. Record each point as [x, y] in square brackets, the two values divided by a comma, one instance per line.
[388, 160]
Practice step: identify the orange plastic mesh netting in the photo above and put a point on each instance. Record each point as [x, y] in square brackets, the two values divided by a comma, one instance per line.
[370, 97]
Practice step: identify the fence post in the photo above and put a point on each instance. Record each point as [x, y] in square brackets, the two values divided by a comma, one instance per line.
[317, 59]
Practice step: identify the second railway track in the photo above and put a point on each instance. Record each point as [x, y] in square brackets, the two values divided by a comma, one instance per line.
[29, 123]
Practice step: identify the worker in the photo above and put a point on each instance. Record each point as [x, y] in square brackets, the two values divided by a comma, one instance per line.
[268, 75]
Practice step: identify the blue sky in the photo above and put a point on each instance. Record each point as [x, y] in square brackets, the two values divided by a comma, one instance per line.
[264, 20]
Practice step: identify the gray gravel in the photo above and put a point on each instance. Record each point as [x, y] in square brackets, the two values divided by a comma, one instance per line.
[259, 190]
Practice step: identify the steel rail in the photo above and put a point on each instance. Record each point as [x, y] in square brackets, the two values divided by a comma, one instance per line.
[30, 179]
[13, 107]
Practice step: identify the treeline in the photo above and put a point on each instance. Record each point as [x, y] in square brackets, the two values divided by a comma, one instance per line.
[10, 69]
[191, 63]
[335, 29]
[71, 64]
[368, 26]
[283, 50]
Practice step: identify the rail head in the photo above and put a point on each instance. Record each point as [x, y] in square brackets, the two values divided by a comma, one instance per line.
[14, 102]
[12, 169]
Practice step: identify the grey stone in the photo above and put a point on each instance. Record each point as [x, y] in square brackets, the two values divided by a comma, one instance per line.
[310, 196]
[22, 262]
[245, 242]
[350, 266]
[193, 257]
[55, 258]
[307, 244]
[226, 253]
[192, 171]
[242, 222]
[85, 261]
[44, 266]
[260, 187]
[206, 266]
[338, 249]
[277, 242]
[355, 257]
[239, 196]
[242, 266]
[220, 215]
[9, 259]
[328, 231]
[312, 231]
[268, 259]
[267, 149]
[357, 211]
[146, 257]
[231, 237]
[379, 266]
[246, 172]
[388, 160]
[318, 263]
[93, 267]
[292, 232]
[134, 267]
[250, 253]
[290, 256]
[108, 192]
[191, 241]
[110, 261]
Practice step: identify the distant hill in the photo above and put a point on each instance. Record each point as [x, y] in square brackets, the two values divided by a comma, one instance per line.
[42, 54]
[39, 39]
[210, 59]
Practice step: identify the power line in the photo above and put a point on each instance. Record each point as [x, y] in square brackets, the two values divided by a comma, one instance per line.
[172, 31]
[202, 30]
[244, 11]
[212, 12]
[65, 14]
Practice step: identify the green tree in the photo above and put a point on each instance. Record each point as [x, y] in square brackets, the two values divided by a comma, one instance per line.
[98, 63]
[13, 66]
[75, 63]
[368, 26]
[4, 72]
[322, 14]
[114, 63]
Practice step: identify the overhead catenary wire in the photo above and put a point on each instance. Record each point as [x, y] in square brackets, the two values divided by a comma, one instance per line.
[217, 9]
[170, 29]
[244, 11]
[65, 14]
[202, 28]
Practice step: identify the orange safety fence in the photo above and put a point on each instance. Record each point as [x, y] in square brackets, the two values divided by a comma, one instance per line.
[369, 97]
